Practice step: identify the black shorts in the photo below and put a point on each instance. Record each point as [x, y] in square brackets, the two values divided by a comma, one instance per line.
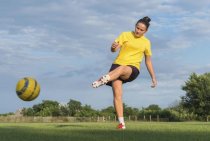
[133, 76]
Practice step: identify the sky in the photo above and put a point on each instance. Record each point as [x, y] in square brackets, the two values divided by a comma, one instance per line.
[65, 46]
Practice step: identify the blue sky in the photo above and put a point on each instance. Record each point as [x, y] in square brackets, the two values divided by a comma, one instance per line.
[65, 45]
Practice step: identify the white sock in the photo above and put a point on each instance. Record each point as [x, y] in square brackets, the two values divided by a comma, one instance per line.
[121, 120]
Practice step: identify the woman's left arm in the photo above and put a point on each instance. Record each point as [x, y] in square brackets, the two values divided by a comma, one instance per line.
[148, 62]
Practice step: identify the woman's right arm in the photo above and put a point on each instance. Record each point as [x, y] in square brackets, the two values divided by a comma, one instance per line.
[115, 46]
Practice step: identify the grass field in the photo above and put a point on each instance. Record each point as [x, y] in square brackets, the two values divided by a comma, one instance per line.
[136, 131]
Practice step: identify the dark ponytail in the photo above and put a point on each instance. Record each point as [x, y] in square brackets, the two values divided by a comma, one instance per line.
[145, 21]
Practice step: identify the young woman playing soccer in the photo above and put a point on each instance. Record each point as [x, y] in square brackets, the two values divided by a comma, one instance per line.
[133, 47]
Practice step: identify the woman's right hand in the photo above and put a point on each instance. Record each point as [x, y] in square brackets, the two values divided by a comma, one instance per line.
[115, 46]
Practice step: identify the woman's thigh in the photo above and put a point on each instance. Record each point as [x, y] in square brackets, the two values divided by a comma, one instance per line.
[126, 72]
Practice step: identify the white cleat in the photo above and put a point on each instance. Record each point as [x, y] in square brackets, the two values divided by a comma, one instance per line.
[102, 81]
[97, 84]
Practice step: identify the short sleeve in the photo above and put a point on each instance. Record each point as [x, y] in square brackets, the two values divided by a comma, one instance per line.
[121, 38]
[148, 51]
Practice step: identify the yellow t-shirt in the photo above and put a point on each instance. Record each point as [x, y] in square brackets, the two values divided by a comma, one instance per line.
[132, 49]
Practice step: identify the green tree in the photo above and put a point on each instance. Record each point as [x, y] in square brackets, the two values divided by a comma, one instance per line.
[197, 97]
[152, 110]
[129, 111]
[153, 107]
[46, 108]
[86, 111]
[28, 112]
[64, 110]
[109, 111]
[74, 107]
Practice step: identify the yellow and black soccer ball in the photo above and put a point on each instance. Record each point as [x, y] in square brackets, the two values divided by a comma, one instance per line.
[27, 89]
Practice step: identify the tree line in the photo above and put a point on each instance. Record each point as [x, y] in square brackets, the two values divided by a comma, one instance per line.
[75, 109]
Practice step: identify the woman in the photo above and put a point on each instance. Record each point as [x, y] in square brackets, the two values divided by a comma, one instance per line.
[133, 47]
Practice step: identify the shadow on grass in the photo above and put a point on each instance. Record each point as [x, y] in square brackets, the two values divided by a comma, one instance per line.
[20, 133]
[69, 125]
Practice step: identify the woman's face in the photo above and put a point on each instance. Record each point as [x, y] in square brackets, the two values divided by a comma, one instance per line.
[140, 29]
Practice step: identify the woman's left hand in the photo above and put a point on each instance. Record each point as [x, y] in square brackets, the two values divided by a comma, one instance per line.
[154, 83]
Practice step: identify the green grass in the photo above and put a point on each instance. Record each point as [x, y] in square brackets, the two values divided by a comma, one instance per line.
[136, 131]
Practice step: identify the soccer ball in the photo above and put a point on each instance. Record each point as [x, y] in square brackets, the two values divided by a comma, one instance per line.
[27, 89]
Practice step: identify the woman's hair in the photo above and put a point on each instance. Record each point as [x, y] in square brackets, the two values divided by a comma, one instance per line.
[145, 21]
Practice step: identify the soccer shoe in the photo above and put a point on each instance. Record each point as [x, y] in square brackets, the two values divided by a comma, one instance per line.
[103, 80]
[121, 126]
[97, 84]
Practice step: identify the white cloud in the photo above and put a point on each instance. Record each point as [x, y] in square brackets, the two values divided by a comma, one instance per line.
[199, 27]
[179, 43]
